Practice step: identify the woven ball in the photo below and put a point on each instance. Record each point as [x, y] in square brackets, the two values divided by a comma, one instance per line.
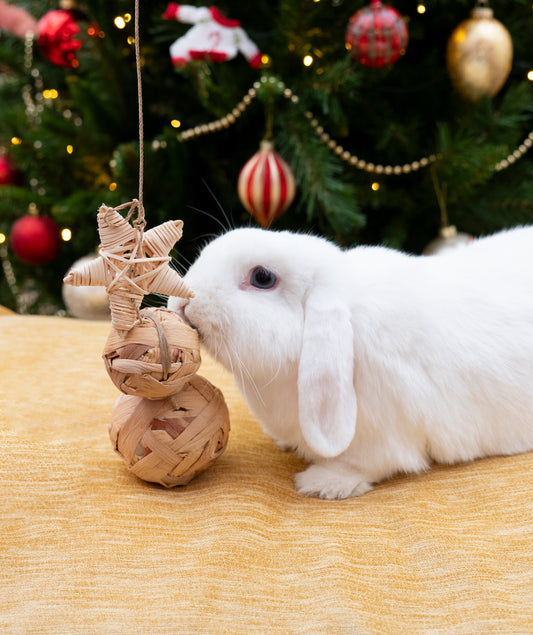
[155, 358]
[170, 441]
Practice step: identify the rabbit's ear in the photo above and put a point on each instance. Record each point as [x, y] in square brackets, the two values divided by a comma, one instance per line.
[327, 403]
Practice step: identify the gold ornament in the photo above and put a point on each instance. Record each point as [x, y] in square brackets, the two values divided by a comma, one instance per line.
[479, 54]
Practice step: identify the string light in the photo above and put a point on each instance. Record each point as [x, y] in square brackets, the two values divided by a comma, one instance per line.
[112, 187]
[331, 144]
[421, 8]
[308, 60]
[375, 186]
[2, 238]
[11, 279]
[70, 149]
[50, 94]
[16, 141]
[32, 104]
[66, 234]
[530, 76]
[119, 22]
[175, 123]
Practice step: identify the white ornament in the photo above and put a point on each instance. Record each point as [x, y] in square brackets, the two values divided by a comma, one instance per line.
[86, 303]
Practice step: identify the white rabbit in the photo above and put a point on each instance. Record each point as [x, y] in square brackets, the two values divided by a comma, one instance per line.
[370, 362]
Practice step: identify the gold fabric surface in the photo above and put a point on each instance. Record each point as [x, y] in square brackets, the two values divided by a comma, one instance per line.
[86, 547]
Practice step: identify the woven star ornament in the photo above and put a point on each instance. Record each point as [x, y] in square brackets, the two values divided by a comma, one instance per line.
[132, 263]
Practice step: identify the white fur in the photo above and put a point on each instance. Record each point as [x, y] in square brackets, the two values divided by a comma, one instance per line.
[371, 362]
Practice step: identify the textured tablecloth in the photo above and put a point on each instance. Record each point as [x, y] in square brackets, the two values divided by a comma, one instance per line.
[86, 547]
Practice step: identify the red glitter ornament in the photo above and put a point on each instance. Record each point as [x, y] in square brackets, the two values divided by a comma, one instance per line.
[266, 185]
[57, 36]
[376, 35]
[35, 239]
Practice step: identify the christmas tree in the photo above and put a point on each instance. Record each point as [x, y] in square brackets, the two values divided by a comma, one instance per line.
[383, 153]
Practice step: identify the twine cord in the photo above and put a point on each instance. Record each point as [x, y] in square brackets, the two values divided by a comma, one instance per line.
[123, 266]
[141, 125]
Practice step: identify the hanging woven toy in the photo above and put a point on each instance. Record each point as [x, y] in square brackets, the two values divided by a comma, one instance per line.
[170, 424]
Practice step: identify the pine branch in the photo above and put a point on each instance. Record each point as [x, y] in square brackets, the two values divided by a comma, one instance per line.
[324, 195]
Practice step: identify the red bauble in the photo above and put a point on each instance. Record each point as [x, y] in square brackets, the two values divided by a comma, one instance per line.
[57, 30]
[9, 175]
[376, 35]
[35, 239]
[266, 185]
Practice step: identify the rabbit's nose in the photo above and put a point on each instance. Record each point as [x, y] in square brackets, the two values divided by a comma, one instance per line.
[178, 305]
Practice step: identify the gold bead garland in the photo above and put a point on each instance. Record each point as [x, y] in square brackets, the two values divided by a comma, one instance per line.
[360, 164]
[517, 154]
[224, 122]
[230, 118]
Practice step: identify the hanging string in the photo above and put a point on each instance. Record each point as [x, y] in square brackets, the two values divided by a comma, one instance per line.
[126, 277]
[136, 205]
[140, 101]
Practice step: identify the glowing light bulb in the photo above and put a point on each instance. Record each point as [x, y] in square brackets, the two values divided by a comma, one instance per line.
[308, 60]
[530, 76]
[2, 238]
[66, 234]
[127, 17]
[421, 8]
[131, 40]
[375, 186]
[112, 187]
[265, 59]
[70, 149]
[175, 123]
[119, 21]
[16, 141]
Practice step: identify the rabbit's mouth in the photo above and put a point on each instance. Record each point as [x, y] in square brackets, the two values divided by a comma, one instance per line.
[184, 316]
[180, 310]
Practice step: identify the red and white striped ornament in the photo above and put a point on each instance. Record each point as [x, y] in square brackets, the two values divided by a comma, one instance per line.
[376, 35]
[266, 185]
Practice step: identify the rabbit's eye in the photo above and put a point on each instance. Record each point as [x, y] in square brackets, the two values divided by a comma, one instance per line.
[262, 278]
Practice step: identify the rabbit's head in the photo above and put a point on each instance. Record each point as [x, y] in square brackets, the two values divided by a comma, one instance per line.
[270, 305]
